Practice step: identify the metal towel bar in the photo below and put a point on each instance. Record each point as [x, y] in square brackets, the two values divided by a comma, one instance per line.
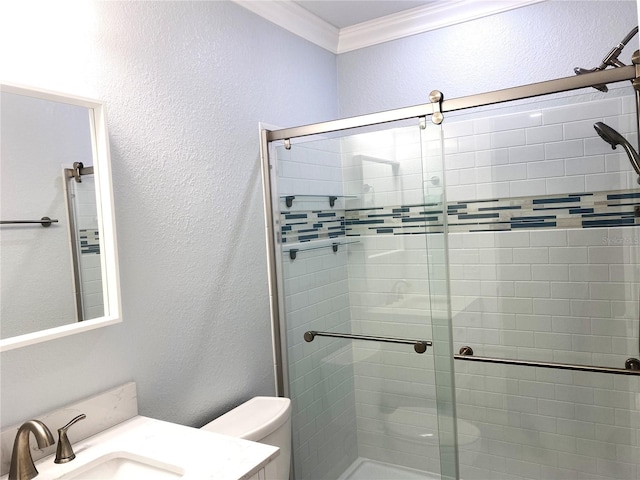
[44, 221]
[466, 353]
[420, 346]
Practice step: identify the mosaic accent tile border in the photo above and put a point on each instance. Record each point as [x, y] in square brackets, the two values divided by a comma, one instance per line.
[313, 225]
[89, 241]
[402, 220]
[579, 210]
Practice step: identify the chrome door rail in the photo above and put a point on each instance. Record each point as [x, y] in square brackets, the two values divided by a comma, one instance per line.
[420, 346]
[575, 82]
[558, 85]
[557, 366]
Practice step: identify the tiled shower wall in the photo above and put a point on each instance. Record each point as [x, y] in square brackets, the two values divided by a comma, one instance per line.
[568, 296]
[539, 151]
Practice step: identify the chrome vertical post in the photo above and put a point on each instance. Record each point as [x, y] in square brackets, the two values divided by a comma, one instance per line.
[274, 306]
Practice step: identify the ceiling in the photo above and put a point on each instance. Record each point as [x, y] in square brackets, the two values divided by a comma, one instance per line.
[344, 25]
[346, 13]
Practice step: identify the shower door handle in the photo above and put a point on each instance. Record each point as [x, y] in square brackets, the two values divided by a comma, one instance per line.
[420, 346]
[466, 354]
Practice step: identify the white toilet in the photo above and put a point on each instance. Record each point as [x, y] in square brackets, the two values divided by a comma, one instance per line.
[264, 420]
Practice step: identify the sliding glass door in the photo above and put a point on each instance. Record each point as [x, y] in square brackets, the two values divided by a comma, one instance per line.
[363, 255]
[544, 248]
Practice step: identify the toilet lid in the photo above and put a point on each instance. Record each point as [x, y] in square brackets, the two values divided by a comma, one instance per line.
[254, 419]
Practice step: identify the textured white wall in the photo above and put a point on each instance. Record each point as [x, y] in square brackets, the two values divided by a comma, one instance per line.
[530, 44]
[185, 85]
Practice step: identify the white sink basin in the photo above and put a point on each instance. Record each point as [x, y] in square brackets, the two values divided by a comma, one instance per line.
[124, 465]
[142, 448]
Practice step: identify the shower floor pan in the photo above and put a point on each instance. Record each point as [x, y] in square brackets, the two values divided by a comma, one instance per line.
[365, 469]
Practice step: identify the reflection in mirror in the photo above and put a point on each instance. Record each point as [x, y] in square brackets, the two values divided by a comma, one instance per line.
[84, 235]
[54, 163]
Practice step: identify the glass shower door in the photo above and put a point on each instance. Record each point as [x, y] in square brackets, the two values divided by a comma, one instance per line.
[544, 247]
[363, 253]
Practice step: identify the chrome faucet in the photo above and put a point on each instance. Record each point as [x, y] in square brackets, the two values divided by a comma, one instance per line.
[22, 467]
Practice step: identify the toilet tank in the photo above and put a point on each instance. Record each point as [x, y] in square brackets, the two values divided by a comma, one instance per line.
[261, 419]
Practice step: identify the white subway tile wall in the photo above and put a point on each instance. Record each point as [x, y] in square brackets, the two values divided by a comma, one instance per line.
[565, 288]
[565, 296]
[546, 150]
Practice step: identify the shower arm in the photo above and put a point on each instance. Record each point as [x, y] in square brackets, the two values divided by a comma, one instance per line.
[611, 59]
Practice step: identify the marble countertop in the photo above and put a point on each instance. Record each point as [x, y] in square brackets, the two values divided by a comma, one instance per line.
[197, 454]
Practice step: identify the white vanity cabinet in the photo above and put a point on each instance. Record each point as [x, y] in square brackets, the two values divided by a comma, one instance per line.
[267, 473]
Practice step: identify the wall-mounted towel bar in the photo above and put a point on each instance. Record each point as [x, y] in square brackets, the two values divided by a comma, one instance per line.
[466, 353]
[44, 221]
[293, 252]
[420, 346]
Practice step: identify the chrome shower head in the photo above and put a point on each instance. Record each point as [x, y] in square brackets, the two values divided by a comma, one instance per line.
[613, 138]
[608, 134]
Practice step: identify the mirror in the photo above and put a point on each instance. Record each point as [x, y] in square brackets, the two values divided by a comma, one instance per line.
[58, 255]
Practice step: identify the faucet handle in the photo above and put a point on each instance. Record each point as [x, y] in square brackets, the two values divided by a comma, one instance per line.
[64, 451]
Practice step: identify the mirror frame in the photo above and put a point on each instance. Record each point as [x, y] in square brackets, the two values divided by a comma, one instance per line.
[105, 210]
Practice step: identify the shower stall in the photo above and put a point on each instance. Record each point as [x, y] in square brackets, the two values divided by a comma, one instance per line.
[455, 286]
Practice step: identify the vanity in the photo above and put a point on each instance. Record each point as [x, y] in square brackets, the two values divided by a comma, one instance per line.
[114, 442]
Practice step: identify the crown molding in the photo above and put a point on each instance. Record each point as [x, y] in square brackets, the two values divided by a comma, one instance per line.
[292, 17]
[420, 20]
[297, 20]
